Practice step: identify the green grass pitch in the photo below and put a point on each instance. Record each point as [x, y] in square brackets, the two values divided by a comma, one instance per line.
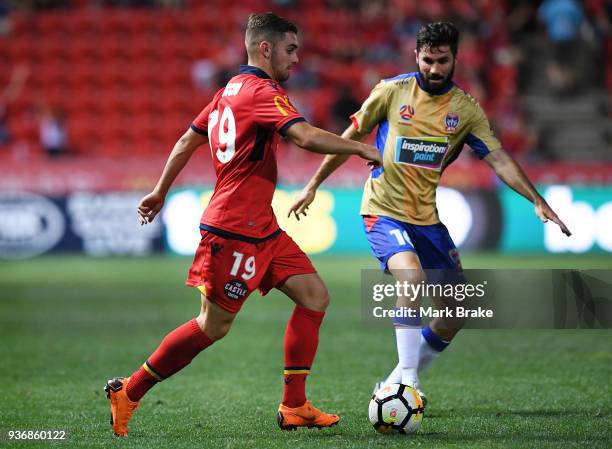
[69, 323]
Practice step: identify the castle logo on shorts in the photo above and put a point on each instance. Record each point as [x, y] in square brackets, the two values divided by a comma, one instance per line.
[235, 289]
[425, 152]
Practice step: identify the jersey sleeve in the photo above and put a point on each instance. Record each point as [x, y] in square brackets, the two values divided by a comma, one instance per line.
[373, 110]
[481, 138]
[200, 124]
[273, 109]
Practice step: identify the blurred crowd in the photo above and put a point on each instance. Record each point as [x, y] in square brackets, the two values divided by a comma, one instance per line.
[123, 77]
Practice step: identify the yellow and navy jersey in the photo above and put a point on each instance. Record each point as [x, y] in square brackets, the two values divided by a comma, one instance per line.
[420, 133]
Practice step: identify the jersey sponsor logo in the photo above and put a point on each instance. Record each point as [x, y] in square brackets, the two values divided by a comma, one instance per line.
[425, 152]
[232, 89]
[451, 121]
[283, 105]
[29, 225]
[235, 289]
[116, 233]
[406, 112]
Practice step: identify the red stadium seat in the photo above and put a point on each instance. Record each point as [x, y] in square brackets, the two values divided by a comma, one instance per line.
[87, 45]
[84, 128]
[114, 45]
[52, 23]
[82, 103]
[56, 47]
[145, 100]
[84, 21]
[20, 23]
[82, 73]
[24, 48]
[25, 129]
[142, 45]
[171, 22]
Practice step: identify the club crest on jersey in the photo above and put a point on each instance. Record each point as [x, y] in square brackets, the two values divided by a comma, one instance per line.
[452, 121]
[406, 112]
[454, 255]
[283, 104]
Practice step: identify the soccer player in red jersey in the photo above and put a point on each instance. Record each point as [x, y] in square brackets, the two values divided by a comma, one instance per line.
[242, 246]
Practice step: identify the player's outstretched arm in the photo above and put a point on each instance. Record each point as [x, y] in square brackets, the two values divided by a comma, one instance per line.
[511, 173]
[152, 203]
[317, 140]
[330, 164]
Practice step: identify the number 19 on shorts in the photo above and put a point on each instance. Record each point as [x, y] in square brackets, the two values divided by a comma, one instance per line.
[247, 269]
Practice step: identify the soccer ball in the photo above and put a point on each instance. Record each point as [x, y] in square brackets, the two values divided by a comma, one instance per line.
[396, 408]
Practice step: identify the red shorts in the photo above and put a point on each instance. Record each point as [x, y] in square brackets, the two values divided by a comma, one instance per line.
[228, 270]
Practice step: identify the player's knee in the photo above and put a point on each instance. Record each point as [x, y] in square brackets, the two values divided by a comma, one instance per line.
[419, 276]
[220, 330]
[318, 298]
[214, 329]
[413, 276]
[406, 272]
[323, 298]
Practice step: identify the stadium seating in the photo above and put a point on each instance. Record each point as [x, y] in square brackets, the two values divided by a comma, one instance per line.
[124, 76]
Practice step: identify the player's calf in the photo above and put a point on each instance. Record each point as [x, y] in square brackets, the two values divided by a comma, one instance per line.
[447, 327]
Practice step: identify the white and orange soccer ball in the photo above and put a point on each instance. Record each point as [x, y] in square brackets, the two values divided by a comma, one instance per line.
[396, 408]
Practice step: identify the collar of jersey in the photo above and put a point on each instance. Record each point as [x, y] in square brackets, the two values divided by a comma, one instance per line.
[440, 91]
[251, 70]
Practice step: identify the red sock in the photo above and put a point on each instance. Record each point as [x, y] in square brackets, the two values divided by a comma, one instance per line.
[174, 353]
[301, 340]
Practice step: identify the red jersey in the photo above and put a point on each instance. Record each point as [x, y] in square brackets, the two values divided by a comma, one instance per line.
[244, 122]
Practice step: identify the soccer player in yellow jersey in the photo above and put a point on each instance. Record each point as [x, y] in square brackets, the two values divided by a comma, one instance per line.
[423, 121]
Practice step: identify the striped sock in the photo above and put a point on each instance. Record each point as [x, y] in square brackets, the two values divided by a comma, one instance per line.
[407, 334]
[430, 348]
[301, 341]
[174, 353]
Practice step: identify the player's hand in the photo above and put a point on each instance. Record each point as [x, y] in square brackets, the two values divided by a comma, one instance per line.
[302, 202]
[545, 212]
[149, 207]
[372, 155]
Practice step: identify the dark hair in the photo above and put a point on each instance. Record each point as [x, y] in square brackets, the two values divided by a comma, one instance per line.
[438, 34]
[267, 27]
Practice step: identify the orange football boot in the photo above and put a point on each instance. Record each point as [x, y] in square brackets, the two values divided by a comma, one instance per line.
[306, 415]
[121, 406]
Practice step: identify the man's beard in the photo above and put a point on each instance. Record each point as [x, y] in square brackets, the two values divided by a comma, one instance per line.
[438, 86]
[280, 77]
